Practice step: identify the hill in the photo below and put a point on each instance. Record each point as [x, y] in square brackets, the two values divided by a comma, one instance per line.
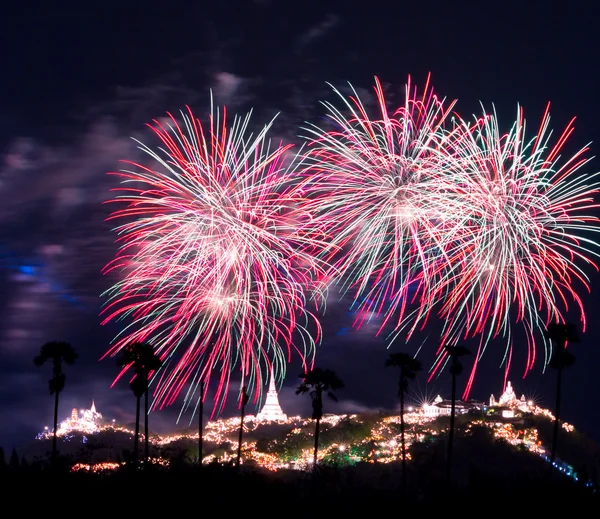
[491, 446]
[490, 474]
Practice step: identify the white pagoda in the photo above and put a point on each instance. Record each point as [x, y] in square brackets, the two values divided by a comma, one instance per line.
[509, 399]
[271, 410]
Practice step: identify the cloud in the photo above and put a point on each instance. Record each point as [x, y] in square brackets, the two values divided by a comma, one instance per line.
[227, 85]
[316, 32]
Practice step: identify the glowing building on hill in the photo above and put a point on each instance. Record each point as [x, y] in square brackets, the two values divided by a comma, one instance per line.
[271, 410]
[509, 400]
[85, 421]
[441, 407]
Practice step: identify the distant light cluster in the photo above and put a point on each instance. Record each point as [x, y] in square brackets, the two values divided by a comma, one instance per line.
[84, 421]
[381, 445]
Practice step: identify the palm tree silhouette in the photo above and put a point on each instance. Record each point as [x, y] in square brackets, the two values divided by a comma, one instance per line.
[456, 368]
[560, 334]
[57, 352]
[243, 401]
[409, 367]
[200, 423]
[316, 382]
[144, 361]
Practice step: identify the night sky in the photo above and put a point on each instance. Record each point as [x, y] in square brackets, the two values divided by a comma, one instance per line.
[78, 85]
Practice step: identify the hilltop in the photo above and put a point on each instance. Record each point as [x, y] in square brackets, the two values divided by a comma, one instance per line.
[499, 449]
[494, 457]
[345, 440]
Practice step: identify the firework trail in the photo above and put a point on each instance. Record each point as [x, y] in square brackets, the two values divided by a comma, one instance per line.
[526, 235]
[381, 188]
[213, 271]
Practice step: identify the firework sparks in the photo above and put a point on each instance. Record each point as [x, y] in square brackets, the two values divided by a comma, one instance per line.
[526, 235]
[435, 216]
[213, 271]
[382, 190]
[416, 213]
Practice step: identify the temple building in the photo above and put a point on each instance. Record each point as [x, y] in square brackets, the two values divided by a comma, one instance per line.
[85, 421]
[271, 410]
[441, 407]
[509, 400]
[90, 415]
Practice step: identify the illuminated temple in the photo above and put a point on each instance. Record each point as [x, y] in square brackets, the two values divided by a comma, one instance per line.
[509, 400]
[271, 410]
[86, 421]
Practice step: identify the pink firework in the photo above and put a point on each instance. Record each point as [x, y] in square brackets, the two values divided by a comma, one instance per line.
[526, 239]
[436, 218]
[213, 270]
[381, 188]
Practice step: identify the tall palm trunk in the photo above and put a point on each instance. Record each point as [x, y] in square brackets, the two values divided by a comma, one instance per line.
[560, 334]
[451, 432]
[146, 439]
[316, 382]
[317, 427]
[556, 417]
[54, 448]
[201, 423]
[239, 452]
[402, 437]
[137, 432]
[409, 366]
[57, 352]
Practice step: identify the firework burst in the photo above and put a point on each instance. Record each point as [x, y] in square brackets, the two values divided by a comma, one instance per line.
[526, 238]
[213, 271]
[380, 188]
[436, 217]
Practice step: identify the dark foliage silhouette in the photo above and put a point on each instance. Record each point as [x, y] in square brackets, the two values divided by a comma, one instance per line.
[14, 460]
[315, 383]
[244, 397]
[409, 367]
[201, 424]
[456, 368]
[144, 362]
[561, 334]
[57, 352]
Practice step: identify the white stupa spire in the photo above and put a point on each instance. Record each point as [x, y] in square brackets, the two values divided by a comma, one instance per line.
[271, 410]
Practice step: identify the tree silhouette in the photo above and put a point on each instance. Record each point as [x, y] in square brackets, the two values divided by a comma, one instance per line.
[456, 368]
[244, 397]
[14, 464]
[57, 352]
[316, 382]
[200, 423]
[143, 360]
[409, 367]
[560, 334]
